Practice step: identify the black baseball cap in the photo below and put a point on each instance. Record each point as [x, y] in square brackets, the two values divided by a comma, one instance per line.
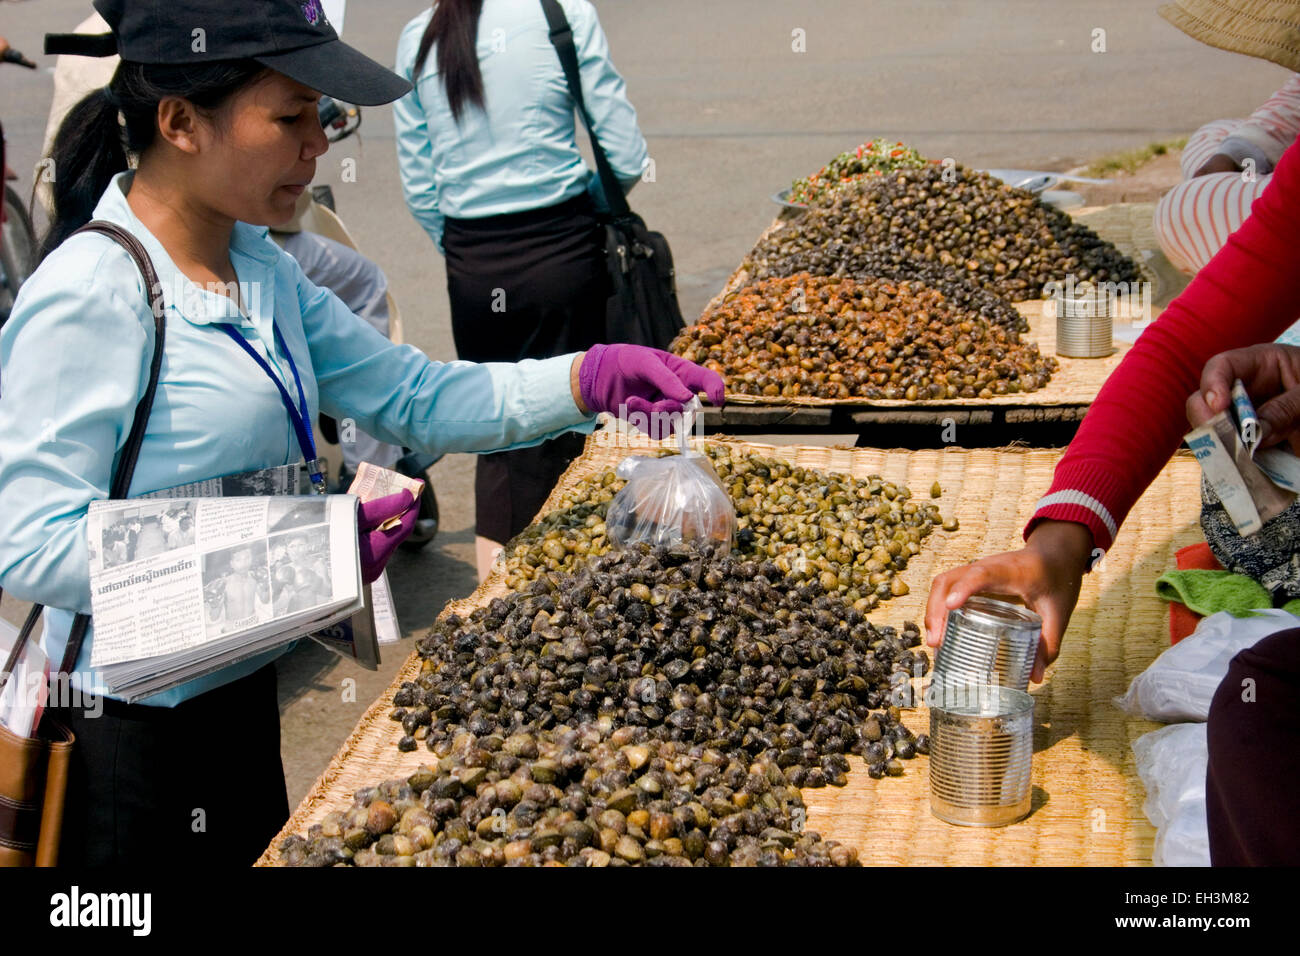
[292, 37]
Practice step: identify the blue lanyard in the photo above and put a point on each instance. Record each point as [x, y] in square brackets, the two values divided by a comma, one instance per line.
[297, 415]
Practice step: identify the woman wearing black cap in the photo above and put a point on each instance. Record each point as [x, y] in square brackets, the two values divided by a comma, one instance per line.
[218, 103]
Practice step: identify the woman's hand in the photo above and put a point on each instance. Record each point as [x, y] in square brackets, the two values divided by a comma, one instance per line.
[627, 380]
[378, 546]
[1271, 373]
[1046, 574]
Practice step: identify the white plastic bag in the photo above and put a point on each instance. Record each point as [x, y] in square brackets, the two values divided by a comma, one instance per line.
[1181, 682]
[1171, 762]
[671, 502]
[27, 691]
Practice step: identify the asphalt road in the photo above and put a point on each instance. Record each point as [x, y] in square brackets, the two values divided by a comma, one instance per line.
[736, 98]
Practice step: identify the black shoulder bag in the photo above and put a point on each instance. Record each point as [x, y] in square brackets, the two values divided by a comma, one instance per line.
[643, 309]
[34, 770]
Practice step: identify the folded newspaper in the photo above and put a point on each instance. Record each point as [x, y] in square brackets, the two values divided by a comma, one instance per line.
[181, 587]
[191, 579]
[1255, 485]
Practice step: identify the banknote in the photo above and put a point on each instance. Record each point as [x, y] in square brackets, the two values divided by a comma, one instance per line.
[373, 482]
[1279, 463]
[1248, 494]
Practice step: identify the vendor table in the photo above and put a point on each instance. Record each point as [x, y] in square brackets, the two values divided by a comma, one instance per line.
[1047, 417]
[1087, 803]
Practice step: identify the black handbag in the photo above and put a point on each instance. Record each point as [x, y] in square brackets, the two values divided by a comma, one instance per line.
[643, 308]
[34, 770]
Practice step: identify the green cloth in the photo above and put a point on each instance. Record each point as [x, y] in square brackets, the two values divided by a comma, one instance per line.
[1208, 592]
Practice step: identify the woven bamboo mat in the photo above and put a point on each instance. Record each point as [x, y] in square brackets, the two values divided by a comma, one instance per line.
[1087, 797]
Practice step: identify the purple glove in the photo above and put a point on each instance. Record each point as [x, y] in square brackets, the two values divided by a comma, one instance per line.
[624, 379]
[378, 546]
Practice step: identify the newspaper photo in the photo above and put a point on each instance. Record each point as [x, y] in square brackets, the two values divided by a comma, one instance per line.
[180, 587]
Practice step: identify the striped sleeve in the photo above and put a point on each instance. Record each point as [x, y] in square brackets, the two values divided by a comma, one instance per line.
[1274, 126]
[1194, 219]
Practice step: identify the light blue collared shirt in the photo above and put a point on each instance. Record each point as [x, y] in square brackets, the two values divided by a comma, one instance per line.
[521, 153]
[74, 361]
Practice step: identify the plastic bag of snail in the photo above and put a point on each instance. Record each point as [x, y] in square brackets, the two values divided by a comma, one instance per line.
[669, 502]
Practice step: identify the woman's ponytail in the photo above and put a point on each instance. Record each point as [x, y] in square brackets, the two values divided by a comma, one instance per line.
[454, 27]
[87, 153]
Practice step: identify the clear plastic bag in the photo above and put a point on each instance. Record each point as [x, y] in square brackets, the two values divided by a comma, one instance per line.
[1181, 682]
[671, 502]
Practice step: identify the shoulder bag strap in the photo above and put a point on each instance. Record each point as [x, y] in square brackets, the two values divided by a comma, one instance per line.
[562, 39]
[130, 451]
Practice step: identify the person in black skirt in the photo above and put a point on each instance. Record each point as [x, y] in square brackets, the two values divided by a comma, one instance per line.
[491, 169]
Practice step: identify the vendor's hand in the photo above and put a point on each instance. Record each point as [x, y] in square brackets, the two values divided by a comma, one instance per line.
[1271, 374]
[1046, 574]
[632, 379]
[378, 546]
[1218, 163]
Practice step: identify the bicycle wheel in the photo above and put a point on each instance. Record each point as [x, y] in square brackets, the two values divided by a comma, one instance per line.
[17, 251]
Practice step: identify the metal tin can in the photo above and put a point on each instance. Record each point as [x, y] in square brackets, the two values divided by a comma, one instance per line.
[1084, 325]
[987, 641]
[981, 756]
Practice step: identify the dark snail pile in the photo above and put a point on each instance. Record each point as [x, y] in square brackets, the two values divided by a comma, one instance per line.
[658, 707]
[852, 534]
[844, 338]
[1003, 238]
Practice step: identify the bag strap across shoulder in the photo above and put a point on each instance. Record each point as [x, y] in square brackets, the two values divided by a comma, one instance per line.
[122, 475]
[562, 39]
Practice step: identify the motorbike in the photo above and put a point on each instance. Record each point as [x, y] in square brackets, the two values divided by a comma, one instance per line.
[18, 242]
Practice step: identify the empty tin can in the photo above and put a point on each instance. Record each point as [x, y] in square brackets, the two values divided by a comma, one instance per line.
[1084, 325]
[987, 641]
[981, 756]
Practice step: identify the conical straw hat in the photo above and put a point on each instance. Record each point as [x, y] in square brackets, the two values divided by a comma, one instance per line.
[1268, 29]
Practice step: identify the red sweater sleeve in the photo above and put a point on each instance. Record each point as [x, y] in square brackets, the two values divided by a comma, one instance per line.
[1247, 294]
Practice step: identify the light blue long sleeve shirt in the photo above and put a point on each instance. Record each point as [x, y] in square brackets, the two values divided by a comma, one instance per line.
[521, 152]
[74, 361]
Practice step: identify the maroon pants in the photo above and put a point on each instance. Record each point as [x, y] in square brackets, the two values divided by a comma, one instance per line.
[1252, 783]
